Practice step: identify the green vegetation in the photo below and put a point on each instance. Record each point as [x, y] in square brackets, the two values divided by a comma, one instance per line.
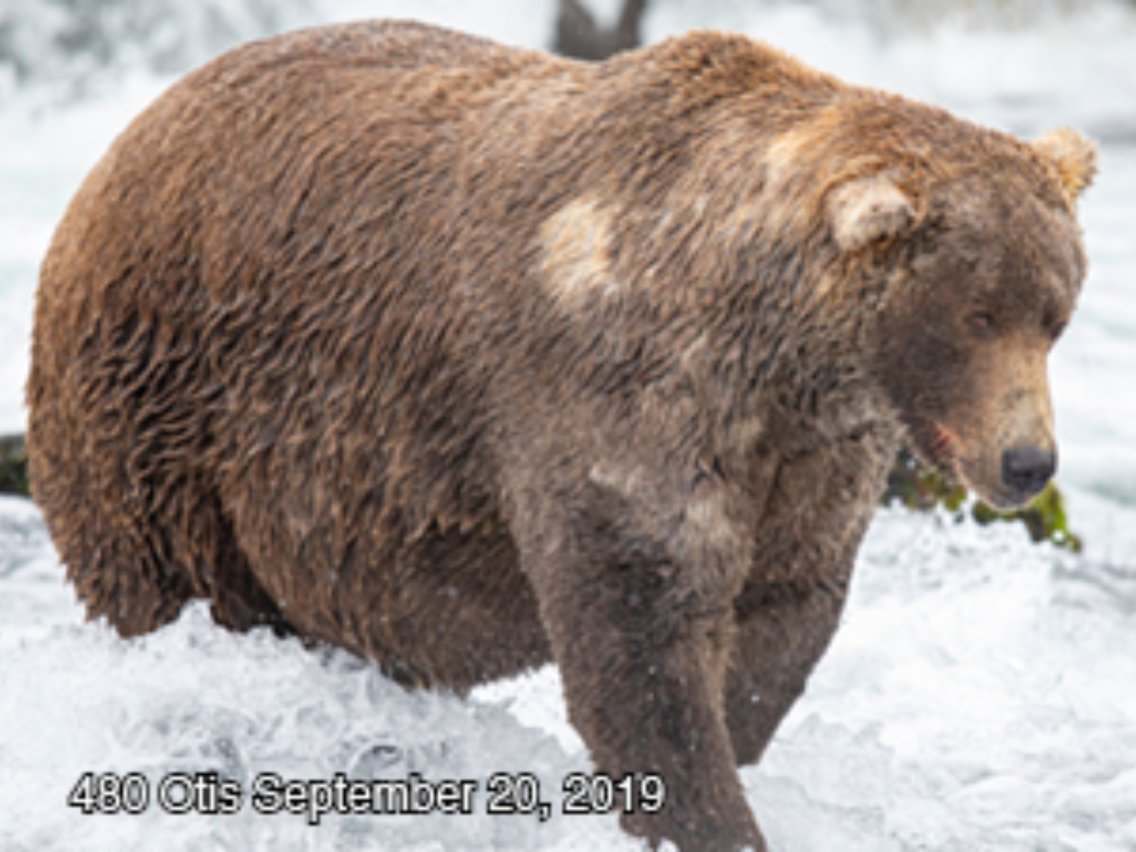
[13, 466]
[921, 488]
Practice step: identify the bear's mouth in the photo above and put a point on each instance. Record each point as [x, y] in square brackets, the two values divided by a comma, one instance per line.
[943, 443]
[937, 446]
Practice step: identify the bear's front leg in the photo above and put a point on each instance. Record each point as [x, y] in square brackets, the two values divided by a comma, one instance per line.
[812, 522]
[642, 642]
[782, 630]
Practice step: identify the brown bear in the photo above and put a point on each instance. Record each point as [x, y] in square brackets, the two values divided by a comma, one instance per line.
[468, 358]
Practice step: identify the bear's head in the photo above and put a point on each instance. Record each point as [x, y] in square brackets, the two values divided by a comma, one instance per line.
[988, 265]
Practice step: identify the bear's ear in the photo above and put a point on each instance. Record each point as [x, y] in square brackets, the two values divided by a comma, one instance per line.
[1074, 157]
[867, 209]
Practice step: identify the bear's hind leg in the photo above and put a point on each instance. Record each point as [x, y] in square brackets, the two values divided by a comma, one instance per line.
[137, 564]
[120, 569]
[221, 572]
[117, 451]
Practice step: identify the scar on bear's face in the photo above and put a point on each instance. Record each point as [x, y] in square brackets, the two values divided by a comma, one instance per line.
[576, 252]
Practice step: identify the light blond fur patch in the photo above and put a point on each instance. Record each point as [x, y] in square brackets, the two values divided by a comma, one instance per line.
[782, 158]
[787, 195]
[796, 148]
[576, 262]
[621, 478]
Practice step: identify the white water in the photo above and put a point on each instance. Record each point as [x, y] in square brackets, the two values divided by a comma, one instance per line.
[981, 693]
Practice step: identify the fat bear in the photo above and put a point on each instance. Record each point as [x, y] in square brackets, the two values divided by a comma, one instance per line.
[467, 358]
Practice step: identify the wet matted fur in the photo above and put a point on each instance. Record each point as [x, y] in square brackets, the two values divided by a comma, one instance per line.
[469, 358]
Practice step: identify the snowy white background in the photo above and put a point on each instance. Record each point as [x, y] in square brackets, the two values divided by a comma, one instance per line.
[981, 693]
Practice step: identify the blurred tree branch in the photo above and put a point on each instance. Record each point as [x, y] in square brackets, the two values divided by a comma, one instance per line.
[580, 37]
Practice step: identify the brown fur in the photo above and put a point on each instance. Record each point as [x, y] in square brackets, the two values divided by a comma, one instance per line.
[467, 358]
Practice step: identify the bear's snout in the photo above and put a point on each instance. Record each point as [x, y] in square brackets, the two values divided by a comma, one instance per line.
[1026, 470]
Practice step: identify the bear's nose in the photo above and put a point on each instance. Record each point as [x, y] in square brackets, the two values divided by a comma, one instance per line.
[1027, 469]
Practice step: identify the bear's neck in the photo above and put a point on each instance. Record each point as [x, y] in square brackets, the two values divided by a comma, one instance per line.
[800, 367]
[777, 327]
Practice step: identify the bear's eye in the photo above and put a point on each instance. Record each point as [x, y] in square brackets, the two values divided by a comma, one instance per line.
[981, 324]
